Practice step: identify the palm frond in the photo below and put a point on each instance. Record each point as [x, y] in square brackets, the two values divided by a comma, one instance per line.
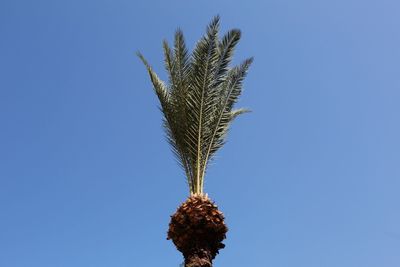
[226, 48]
[201, 97]
[158, 85]
[182, 58]
[171, 125]
[169, 62]
[231, 90]
[234, 113]
[198, 102]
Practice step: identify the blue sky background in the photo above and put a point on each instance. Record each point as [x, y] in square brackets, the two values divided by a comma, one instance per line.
[310, 178]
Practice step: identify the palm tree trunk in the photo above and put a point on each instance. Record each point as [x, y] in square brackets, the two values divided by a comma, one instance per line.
[199, 258]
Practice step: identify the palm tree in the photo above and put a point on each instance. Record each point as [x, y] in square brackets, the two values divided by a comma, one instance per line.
[198, 108]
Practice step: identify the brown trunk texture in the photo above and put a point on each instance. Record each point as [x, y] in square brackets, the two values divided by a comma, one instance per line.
[197, 229]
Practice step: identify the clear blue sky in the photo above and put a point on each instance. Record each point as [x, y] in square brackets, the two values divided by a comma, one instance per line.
[310, 178]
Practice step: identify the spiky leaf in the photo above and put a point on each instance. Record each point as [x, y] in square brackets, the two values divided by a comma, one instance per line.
[198, 101]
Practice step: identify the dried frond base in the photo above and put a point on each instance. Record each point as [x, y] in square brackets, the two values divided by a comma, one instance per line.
[197, 229]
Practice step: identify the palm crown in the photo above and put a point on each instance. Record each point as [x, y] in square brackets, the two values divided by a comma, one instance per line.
[198, 100]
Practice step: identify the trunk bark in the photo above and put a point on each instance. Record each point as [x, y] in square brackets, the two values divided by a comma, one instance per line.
[199, 258]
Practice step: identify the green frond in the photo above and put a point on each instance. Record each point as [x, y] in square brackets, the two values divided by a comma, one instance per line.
[201, 97]
[234, 81]
[170, 123]
[198, 102]
[182, 59]
[231, 89]
[234, 113]
[169, 62]
[158, 85]
[225, 52]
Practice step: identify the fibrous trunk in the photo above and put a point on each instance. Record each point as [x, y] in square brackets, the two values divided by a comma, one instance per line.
[197, 229]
